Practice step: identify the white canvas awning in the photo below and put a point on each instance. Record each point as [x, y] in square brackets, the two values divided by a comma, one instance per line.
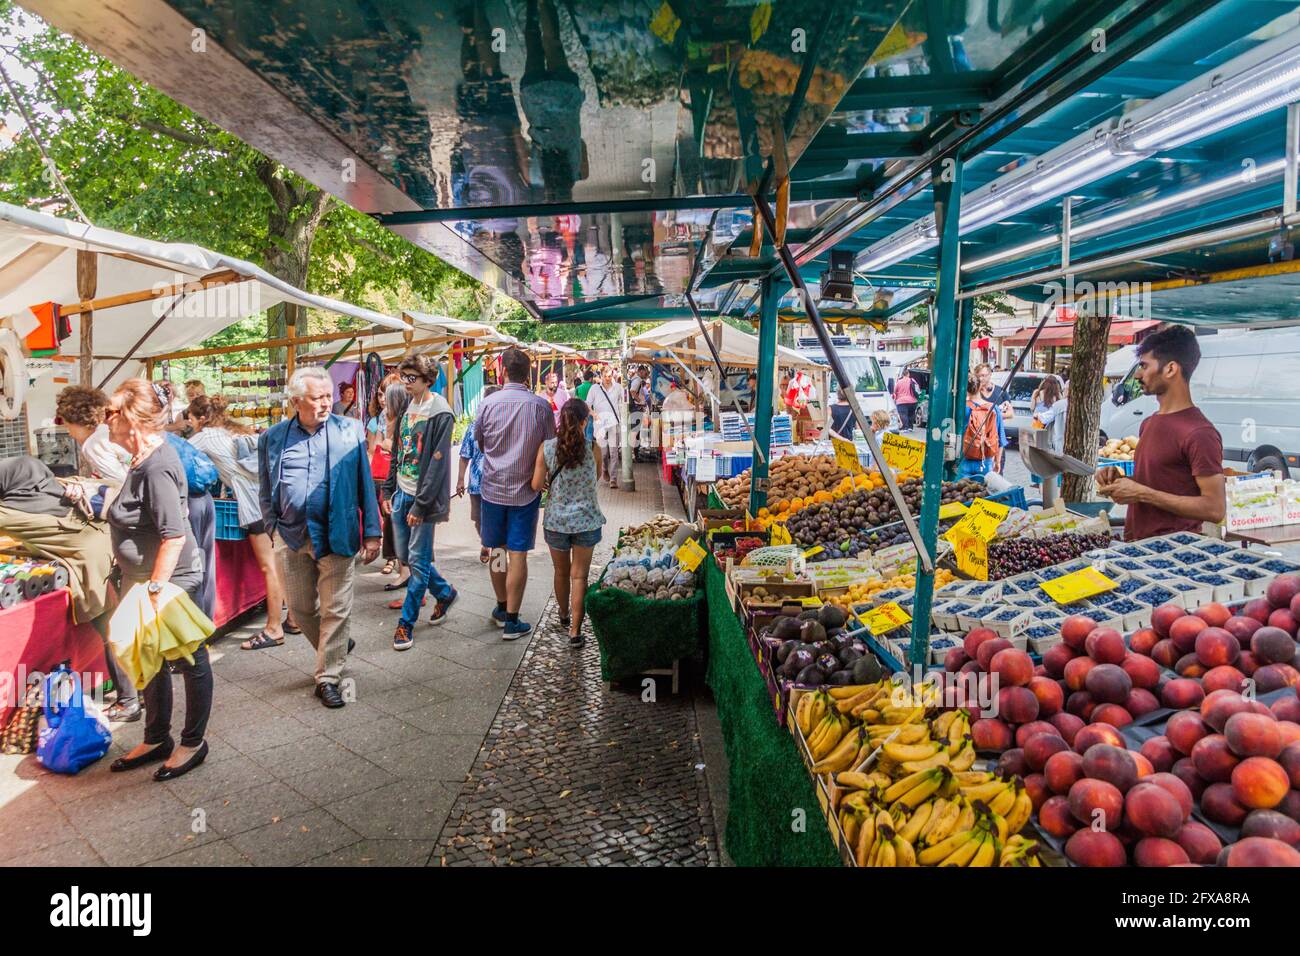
[435, 338]
[739, 349]
[138, 280]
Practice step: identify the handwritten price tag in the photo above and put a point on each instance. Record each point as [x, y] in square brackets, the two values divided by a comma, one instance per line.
[780, 535]
[953, 509]
[846, 455]
[982, 520]
[690, 554]
[902, 453]
[814, 550]
[1075, 587]
[886, 618]
[971, 553]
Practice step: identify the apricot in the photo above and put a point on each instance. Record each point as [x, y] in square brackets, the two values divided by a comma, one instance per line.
[1184, 729]
[1034, 727]
[1056, 657]
[1271, 824]
[1088, 737]
[1055, 818]
[1272, 645]
[1216, 647]
[989, 733]
[975, 638]
[1220, 805]
[1213, 614]
[1075, 630]
[1201, 843]
[1095, 849]
[1143, 640]
[1017, 705]
[1252, 735]
[1062, 770]
[1113, 714]
[1051, 699]
[1224, 677]
[1068, 724]
[1176, 788]
[1260, 851]
[1183, 632]
[1182, 693]
[1163, 617]
[1014, 668]
[1105, 645]
[1213, 759]
[1142, 671]
[1165, 654]
[1042, 746]
[1259, 783]
[1140, 702]
[1160, 752]
[1089, 797]
[1111, 763]
[1076, 672]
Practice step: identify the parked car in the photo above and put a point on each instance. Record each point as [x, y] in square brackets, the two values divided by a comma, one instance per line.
[1019, 392]
[1248, 385]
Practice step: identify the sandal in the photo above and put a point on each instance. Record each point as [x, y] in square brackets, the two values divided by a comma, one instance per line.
[291, 628]
[262, 640]
[388, 567]
[397, 585]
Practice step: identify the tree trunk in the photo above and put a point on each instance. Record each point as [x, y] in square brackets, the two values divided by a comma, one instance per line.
[1083, 412]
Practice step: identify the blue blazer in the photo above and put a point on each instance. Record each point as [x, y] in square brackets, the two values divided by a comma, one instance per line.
[353, 509]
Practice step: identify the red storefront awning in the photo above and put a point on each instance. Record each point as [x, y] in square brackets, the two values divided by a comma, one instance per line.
[1121, 333]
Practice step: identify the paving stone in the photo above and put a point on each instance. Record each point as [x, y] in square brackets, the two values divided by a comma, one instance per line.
[255, 807]
[216, 853]
[294, 839]
[380, 734]
[432, 757]
[408, 809]
[348, 776]
[310, 753]
[32, 823]
[378, 853]
[75, 852]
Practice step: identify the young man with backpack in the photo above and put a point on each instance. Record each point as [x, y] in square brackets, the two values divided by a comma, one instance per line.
[979, 442]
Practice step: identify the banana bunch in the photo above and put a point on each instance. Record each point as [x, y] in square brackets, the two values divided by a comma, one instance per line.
[851, 749]
[811, 710]
[826, 736]
[1004, 799]
[864, 701]
[1019, 851]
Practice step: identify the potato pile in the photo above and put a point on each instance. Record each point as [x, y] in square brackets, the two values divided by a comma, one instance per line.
[1120, 449]
[789, 477]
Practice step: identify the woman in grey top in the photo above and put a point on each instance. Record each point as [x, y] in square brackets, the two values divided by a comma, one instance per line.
[153, 545]
[572, 520]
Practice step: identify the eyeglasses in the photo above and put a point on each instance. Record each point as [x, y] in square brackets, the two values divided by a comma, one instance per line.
[408, 378]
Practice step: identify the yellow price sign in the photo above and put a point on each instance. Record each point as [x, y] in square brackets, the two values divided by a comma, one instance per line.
[953, 509]
[1078, 585]
[780, 534]
[886, 618]
[981, 520]
[902, 453]
[690, 554]
[972, 555]
[813, 601]
[846, 455]
[812, 551]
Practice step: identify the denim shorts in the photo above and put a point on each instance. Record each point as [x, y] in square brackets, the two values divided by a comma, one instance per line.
[564, 541]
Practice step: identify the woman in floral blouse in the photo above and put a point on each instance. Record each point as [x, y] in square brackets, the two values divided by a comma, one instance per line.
[571, 523]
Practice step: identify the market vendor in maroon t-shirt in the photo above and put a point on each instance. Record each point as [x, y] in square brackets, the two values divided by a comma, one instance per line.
[1177, 478]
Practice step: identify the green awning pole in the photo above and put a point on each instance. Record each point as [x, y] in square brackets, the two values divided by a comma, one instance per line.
[766, 385]
[339, 354]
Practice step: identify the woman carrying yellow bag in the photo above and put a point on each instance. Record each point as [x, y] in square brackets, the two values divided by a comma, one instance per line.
[154, 546]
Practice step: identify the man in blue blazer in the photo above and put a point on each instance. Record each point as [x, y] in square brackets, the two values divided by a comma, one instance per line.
[319, 506]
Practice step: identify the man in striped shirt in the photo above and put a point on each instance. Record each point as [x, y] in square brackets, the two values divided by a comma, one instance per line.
[511, 426]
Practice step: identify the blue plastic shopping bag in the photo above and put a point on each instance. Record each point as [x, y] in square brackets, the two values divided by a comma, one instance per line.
[73, 732]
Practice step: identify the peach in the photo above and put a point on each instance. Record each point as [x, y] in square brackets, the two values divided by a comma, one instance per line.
[1055, 818]
[1108, 684]
[1252, 735]
[1056, 657]
[1289, 731]
[1040, 671]
[1290, 805]
[1213, 614]
[1068, 724]
[975, 638]
[1284, 619]
[989, 733]
[1111, 763]
[1271, 824]
[1213, 760]
[1142, 671]
[1014, 668]
[1176, 788]
[1242, 628]
[1153, 811]
[1259, 783]
[1183, 632]
[1216, 647]
[1163, 617]
[1096, 800]
[1190, 666]
[1259, 609]
[1113, 714]
[1033, 728]
[1140, 702]
[1295, 607]
[1273, 677]
[1145, 767]
[1095, 849]
[953, 660]
[1185, 770]
[1182, 693]
[1062, 770]
[1042, 746]
[1184, 729]
[1289, 760]
[1220, 705]
[1201, 843]
[1088, 737]
[1261, 851]
[1156, 852]
[970, 667]
[1017, 705]
[1165, 654]
[1272, 645]
[1160, 752]
[1143, 640]
[1247, 664]
[1287, 709]
[1080, 704]
[1220, 805]
[1036, 787]
[1105, 645]
[1076, 672]
[1283, 590]
[987, 650]
[1051, 699]
[1012, 763]
[1224, 677]
[1075, 630]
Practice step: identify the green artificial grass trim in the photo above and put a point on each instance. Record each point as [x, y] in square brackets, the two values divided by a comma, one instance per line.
[637, 634]
[768, 782]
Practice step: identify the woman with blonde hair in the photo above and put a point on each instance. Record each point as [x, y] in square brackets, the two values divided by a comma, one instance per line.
[232, 446]
[153, 544]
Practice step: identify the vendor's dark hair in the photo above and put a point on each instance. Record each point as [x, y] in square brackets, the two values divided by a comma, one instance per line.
[81, 405]
[1173, 343]
[571, 435]
[422, 365]
[516, 365]
[1050, 390]
[972, 386]
[396, 398]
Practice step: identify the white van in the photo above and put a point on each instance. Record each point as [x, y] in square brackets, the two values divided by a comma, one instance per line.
[861, 365]
[1248, 385]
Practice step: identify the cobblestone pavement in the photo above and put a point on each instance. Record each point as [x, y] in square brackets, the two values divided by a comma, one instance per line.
[288, 782]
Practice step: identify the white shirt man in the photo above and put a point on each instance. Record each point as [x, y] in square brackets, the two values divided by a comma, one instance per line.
[605, 398]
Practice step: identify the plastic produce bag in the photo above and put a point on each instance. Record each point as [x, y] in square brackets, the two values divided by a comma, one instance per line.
[143, 638]
[73, 732]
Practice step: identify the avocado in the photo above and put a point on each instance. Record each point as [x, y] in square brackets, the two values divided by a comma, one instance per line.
[866, 670]
[831, 616]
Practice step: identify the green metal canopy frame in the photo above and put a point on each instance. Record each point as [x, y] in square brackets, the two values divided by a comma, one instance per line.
[599, 161]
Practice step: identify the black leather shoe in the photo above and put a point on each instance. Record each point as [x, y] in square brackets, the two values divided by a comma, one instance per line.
[161, 752]
[329, 695]
[171, 773]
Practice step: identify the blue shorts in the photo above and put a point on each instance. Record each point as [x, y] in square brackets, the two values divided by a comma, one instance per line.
[513, 527]
[567, 541]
